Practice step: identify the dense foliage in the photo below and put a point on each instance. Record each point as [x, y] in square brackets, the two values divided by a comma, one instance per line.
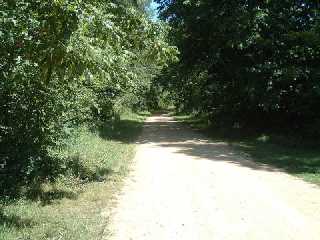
[66, 63]
[247, 63]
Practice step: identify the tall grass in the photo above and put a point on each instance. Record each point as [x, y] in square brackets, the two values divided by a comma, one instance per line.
[74, 205]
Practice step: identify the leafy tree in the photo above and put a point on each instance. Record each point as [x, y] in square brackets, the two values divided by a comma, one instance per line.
[251, 62]
[66, 63]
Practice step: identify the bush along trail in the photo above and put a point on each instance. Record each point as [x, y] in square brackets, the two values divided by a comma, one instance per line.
[75, 206]
[67, 64]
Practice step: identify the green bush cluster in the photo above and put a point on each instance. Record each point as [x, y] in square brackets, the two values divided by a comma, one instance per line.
[64, 64]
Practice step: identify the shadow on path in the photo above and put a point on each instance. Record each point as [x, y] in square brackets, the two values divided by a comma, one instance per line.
[163, 131]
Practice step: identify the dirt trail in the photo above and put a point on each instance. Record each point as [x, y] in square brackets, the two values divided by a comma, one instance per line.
[185, 186]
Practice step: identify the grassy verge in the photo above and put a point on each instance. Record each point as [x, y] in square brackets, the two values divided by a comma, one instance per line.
[296, 156]
[72, 208]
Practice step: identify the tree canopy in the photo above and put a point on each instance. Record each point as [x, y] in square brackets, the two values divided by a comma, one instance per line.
[255, 63]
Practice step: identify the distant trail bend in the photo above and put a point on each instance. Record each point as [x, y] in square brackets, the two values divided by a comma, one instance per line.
[184, 186]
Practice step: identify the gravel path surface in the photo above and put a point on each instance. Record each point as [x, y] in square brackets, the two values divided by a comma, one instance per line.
[184, 186]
